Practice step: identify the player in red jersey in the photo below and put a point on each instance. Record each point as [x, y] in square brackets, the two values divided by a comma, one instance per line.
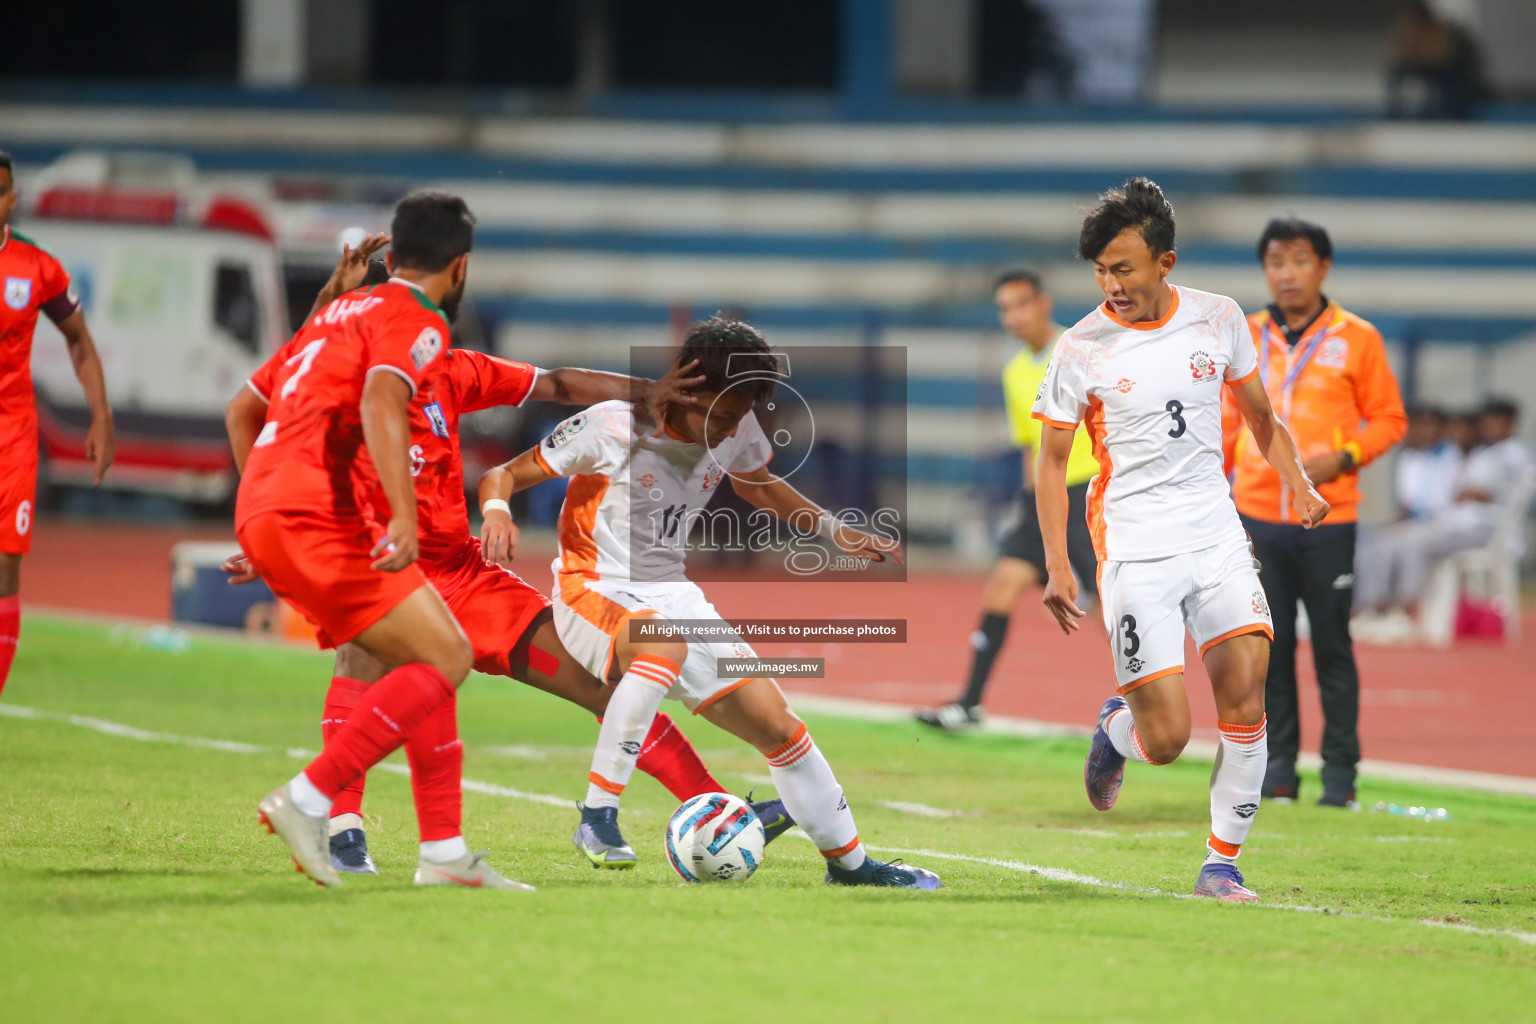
[33, 282]
[337, 433]
[509, 624]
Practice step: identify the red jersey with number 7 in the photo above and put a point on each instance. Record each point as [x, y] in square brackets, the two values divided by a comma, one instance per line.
[33, 280]
[310, 454]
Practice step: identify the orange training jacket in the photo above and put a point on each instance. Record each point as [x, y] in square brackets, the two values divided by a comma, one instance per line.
[1334, 390]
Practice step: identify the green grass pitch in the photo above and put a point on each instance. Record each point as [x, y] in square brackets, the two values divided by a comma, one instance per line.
[135, 885]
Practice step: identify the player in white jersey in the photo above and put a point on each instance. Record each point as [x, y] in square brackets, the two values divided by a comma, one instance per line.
[1144, 371]
[634, 488]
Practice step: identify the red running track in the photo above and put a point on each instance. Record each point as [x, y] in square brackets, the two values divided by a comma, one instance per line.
[1469, 707]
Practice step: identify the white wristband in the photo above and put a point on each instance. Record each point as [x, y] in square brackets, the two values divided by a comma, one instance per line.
[827, 525]
[495, 505]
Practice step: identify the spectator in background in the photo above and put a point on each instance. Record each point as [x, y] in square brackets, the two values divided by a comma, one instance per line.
[1436, 69]
[1464, 431]
[1494, 476]
[1327, 375]
[1428, 467]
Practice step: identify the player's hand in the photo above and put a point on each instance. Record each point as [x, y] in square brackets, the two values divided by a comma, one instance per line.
[1324, 468]
[239, 569]
[353, 266]
[671, 390]
[397, 548]
[101, 445]
[1311, 509]
[498, 538]
[1061, 599]
[868, 546]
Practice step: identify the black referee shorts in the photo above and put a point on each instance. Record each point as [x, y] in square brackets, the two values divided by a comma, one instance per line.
[1023, 541]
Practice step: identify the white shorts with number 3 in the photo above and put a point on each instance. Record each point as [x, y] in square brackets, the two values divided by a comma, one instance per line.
[1214, 592]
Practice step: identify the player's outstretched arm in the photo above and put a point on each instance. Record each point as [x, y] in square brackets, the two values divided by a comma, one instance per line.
[778, 496]
[1051, 507]
[572, 386]
[385, 409]
[1279, 447]
[498, 533]
[100, 441]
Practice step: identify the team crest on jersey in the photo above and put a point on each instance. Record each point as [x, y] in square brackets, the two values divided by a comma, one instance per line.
[1260, 603]
[1202, 367]
[1333, 353]
[426, 347]
[648, 480]
[1124, 386]
[565, 431]
[434, 411]
[18, 292]
[711, 477]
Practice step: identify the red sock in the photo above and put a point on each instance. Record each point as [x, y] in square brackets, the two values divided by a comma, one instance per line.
[10, 629]
[392, 709]
[340, 699]
[437, 768]
[668, 757]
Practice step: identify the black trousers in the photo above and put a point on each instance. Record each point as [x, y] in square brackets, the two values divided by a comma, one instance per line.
[1316, 567]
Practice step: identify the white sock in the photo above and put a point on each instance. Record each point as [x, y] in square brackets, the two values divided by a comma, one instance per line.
[307, 798]
[631, 710]
[1235, 786]
[442, 851]
[810, 792]
[1121, 728]
[341, 822]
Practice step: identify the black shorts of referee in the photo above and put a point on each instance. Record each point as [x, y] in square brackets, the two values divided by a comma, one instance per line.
[1023, 540]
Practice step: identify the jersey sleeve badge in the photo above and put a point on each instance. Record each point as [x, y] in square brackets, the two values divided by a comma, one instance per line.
[567, 430]
[434, 411]
[426, 347]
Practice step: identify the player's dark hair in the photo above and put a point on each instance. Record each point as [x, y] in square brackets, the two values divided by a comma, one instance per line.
[1288, 229]
[377, 273]
[1427, 411]
[731, 354]
[431, 229]
[1014, 274]
[5, 162]
[1138, 204]
[1501, 407]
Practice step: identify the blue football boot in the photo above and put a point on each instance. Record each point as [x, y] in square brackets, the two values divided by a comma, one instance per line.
[599, 839]
[1104, 770]
[1224, 882]
[774, 816]
[873, 872]
[349, 852]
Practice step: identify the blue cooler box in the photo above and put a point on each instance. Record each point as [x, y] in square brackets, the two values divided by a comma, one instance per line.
[199, 589]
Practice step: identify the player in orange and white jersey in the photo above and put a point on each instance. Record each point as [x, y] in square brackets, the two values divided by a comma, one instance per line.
[1145, 371]
[623, 531]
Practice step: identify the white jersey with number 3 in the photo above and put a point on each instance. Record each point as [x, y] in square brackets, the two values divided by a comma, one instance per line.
[1150, 396]
[631, 499]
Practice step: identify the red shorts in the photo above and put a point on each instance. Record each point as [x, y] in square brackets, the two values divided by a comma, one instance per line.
[322, 564]
[18, 505]
[493, 604]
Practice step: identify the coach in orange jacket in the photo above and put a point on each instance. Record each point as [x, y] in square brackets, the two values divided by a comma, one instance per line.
[1327, 375]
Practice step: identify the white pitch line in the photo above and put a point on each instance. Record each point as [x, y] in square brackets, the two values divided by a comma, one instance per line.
[1076, 878]
[1198, 749]
[921, 810]
[491, 789]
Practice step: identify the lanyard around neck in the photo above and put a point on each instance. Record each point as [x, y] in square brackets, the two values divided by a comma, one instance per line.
[1306, 357]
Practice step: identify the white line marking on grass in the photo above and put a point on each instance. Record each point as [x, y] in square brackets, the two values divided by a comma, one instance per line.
[1198, 749]
[127, 731]
[491, 789]
[1076, 878]
[921, 810]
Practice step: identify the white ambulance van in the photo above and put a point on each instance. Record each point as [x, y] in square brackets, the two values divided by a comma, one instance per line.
[183, 294]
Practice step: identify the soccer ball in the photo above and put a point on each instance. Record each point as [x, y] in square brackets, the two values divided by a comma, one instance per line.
[715, 837]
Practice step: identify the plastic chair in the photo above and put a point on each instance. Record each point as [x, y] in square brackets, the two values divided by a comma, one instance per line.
[1493, 570]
